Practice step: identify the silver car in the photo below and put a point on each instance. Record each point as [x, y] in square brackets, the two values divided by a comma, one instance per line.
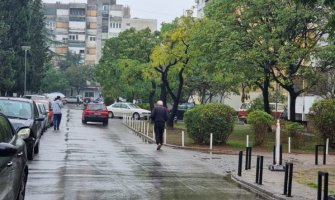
[121, 109]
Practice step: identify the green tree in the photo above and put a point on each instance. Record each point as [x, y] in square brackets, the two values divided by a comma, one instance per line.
[77, 76]
[24, 21]
[6, 60]
[71, 59]
[210, 76]
[122, 70]
[171, 59]
[273, 40]
[54, 80]
[39, 50]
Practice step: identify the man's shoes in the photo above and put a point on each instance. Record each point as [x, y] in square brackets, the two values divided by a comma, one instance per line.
[159, 146]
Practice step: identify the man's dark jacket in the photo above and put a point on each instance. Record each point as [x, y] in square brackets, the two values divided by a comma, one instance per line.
[159, 114]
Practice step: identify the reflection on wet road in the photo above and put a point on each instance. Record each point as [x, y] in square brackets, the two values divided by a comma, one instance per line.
[91, 161]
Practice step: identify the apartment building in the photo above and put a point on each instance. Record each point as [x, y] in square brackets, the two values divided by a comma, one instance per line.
[201, 4]
[83, 28]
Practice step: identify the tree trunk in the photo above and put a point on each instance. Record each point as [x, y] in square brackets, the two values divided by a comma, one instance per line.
[293, 97]
[176, 98]
[265, 90]
[152, 95]
[163, 89]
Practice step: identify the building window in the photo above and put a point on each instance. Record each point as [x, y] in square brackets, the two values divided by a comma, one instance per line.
[105, 7]
[89, 94]
[81, 51]
[92, 38]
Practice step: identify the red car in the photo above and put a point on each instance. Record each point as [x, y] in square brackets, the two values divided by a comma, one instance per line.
[95, 112]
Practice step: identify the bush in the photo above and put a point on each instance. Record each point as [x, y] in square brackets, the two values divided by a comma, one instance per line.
[261, 123]
[322, 115]
[296, 132]
[214, 118]
[144, 106]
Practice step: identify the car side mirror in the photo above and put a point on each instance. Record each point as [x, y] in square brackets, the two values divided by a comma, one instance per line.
[7, 150]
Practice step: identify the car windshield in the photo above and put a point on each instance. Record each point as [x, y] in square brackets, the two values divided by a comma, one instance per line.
[131, 105]
[18, 109]
[96, 107]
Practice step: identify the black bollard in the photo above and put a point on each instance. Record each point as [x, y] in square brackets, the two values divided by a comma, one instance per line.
[325, 189]
[259, 170]
[240, 155]
[248, 158]
[288, 179]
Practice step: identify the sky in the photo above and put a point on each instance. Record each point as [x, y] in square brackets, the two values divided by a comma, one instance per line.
[162, 10]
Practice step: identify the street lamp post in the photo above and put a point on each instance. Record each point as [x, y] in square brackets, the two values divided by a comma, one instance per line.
[25, 48]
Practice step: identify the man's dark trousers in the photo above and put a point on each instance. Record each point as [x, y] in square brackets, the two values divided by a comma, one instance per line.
[159, 131]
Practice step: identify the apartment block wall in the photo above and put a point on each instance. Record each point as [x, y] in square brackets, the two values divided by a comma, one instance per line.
[82, 28]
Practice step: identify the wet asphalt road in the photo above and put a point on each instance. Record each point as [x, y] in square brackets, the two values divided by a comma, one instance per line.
[91, 162]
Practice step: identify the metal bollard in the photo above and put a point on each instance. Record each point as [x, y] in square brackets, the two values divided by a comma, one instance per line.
[240, 157]
[325, 189]
[259, 170]
[288, 179]
[317, 152]
[248, 158]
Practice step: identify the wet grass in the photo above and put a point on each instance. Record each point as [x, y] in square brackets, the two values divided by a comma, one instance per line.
[309, 177]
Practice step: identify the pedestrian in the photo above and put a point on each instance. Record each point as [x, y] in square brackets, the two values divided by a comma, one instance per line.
[57, 106]
[78, 102]
[159, 116]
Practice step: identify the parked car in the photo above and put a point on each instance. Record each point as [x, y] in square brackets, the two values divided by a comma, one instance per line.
[50, 113]
[73, 99]
[43, 113]
[181, 109]
[13, 160]
[242, 113]
[35, 96]
[120, 109]
[95, 112]
[99, 100]
[23, 112]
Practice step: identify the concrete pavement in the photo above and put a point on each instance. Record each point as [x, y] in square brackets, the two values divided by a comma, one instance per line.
[273, 181]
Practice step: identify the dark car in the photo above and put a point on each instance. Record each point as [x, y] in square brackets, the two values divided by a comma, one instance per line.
[23, 112]
[43, 113]
[95, 112]
[182, 108]
[13, 160]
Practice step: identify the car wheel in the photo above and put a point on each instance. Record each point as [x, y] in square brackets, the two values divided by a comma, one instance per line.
[136, 116]
[110, 114]
[83, 121]
[37, 148]
[22, 190]
[30, 153]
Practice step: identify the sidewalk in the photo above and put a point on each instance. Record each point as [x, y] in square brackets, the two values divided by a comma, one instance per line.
[273, 181]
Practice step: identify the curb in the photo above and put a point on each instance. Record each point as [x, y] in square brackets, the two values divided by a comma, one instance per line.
[254, 188]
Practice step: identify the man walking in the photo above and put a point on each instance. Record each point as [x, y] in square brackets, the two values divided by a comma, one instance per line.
[57, 106]
[159, 115]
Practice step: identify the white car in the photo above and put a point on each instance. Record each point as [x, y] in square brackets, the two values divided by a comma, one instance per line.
[121, 109]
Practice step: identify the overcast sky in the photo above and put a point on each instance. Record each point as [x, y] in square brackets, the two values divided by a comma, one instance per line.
[162, 10]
